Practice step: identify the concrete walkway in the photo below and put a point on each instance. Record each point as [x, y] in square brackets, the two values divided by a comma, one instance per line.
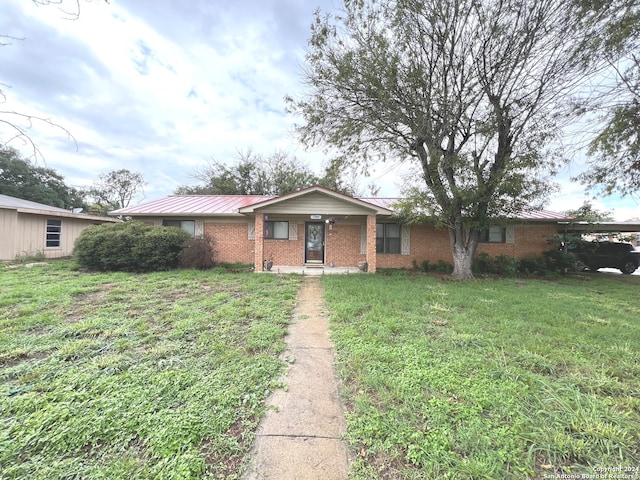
[300, 438]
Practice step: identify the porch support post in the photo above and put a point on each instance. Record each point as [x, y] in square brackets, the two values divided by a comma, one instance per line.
[258, 243]
[371, 243]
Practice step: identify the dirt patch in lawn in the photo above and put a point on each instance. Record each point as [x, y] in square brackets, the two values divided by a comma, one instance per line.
[85, 301]
[222, 462]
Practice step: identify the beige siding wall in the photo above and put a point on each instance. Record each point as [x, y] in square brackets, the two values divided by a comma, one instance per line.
[26, 234]
[315, 204]
[8, 222]
[30, 234]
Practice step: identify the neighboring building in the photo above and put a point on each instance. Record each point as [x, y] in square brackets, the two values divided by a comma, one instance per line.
[28, 228]
[318, 226]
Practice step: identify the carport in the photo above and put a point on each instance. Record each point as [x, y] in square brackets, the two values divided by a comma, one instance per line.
[611, 228]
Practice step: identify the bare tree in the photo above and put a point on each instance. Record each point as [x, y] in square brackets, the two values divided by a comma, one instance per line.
[17, 125]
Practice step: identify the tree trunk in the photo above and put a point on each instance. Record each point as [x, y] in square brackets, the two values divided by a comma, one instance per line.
[463, 247]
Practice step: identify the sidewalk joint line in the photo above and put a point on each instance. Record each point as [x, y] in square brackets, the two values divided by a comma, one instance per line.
[297, 436]
[311, 348]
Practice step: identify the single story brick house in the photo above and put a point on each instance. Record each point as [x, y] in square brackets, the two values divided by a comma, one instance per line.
[320, 227]
[27, 228]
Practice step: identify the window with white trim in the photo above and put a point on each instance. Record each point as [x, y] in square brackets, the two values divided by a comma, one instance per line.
[54, 233]
[276, 230]
[388, 238]
[188, 226]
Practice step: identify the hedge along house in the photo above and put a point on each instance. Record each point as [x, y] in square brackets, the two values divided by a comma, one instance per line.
[323, 228]
[28, 228]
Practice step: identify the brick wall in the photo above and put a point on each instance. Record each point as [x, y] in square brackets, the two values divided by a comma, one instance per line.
[429, 243]
[286, 252]
[530, 241]
[372, 255]
[258, 247]
[343, 245]
[230, 242]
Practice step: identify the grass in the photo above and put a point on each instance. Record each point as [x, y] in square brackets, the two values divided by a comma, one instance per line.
[158, 376]
[165, 375]
[488, 379]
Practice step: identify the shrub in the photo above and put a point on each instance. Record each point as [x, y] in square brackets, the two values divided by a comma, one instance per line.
[561, 261]
[197, 253]
[423, 267]
[533, 266]
[502, 265]
[442, 267]
[483, 263]
[506, 265]
[130, 247]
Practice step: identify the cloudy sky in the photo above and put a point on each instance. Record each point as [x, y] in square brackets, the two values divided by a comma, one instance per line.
[161, 87]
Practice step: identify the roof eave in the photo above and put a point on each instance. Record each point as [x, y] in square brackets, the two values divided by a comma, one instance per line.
[51, 213]
[178, 214]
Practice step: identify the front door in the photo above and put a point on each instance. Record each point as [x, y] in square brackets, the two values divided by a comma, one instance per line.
[314, 242]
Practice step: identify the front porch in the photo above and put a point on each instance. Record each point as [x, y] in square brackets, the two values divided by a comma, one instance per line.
[306, 232]
[312, 270]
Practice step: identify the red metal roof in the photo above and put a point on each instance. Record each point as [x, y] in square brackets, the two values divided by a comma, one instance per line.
[383, 202]
[228, 205]
[199, 205]
[388, 203]
[542, 215]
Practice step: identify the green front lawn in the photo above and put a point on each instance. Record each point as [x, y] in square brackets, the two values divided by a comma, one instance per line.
[489, 379]
[163, 376]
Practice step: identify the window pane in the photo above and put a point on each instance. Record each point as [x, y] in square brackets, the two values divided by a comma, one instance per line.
[278, 230]
[393, 230]
[393, 245]
[496, 234]
[281, 230]
[189, 226]
[388, 238]
[53, 233]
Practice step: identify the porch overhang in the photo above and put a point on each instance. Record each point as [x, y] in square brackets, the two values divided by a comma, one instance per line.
[316, 200]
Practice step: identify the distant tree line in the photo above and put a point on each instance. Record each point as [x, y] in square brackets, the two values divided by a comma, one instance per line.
[274, 174]
[22, 178]
[252, 174]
